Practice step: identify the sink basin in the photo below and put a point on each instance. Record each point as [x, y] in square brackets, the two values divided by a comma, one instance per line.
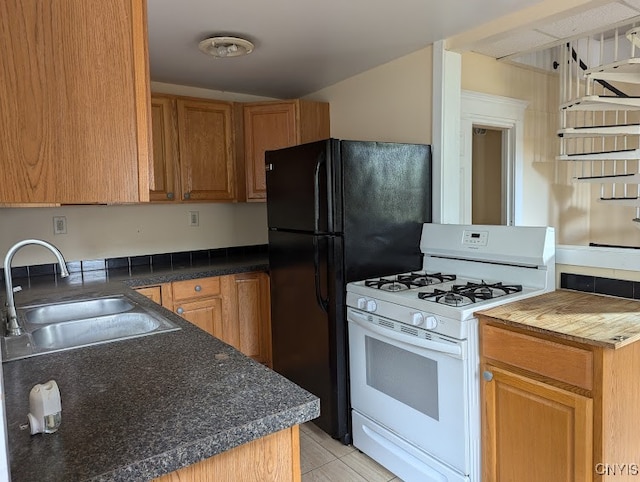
[93, 330]
[77, 310]
[79, 323]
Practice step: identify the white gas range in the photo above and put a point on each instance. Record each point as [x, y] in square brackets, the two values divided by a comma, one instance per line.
[413, 344]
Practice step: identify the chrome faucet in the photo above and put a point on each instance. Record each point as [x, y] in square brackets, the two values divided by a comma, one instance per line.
[13, 328]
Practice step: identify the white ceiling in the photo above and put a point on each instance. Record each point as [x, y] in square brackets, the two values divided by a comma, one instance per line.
[599, 18]
[301, 45]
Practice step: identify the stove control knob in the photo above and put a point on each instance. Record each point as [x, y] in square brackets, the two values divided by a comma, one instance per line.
[431, 322]
[417, 319]
[362, 303]
[371, 306]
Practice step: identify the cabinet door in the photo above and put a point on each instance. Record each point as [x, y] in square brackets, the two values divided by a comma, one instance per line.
[266, 127]
[205, 131]
[151, 292]
[247, 325]
[74, 115]
[533, 431]
[205, 314]
[163, 170]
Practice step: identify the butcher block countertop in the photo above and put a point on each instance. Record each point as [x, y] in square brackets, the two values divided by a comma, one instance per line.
[593, 319]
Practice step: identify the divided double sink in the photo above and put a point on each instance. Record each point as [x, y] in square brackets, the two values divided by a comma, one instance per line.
[78, 323]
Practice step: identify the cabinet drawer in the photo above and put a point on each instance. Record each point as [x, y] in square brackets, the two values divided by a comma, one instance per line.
[196, 288]
[547, 358]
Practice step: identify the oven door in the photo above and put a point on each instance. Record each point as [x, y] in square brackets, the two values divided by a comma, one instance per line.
[415, 387]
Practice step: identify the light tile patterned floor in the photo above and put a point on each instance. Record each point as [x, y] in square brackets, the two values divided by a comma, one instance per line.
[324, 459]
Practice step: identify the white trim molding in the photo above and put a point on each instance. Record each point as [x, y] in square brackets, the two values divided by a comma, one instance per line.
[504, 113]
[447, 75]
[599, 257]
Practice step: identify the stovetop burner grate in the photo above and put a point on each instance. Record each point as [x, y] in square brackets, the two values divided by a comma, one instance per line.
[469, 293]
[408, 281]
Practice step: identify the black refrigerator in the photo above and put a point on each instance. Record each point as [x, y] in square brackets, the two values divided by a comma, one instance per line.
[338, 211]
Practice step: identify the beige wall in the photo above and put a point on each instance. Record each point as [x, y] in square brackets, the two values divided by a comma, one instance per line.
[545, 195]
[390, 103]
[112, 231]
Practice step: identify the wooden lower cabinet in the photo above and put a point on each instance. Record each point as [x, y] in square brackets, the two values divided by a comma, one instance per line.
[557, 410]
[205, 314]
[234, 308]
[154, 293]
[248, 321]
[534, 431]
[274, 458]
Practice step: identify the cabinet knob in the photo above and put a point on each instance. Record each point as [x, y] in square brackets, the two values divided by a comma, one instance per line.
[180, 310]
[187, 195]
[487, 375]
[170, 195]
[198, 288]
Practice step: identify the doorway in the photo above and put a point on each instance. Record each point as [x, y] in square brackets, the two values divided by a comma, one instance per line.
[487, 189]
[505, 116]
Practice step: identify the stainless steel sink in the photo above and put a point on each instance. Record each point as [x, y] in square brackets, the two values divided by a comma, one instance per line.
[77, 310]
[79, 323]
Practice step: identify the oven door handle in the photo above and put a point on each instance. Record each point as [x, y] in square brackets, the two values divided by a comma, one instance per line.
[362, 320]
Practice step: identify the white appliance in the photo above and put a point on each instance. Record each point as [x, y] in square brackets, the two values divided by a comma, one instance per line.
[413, 345]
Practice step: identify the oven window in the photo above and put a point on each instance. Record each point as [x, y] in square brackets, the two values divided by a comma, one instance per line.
[409, 378]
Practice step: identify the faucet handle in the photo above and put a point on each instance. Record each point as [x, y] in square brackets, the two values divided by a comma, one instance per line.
[17, 288]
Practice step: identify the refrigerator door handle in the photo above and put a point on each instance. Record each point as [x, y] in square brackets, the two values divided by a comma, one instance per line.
[322, 302]
[316, 193]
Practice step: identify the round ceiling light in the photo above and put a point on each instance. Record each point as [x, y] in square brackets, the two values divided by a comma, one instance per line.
[222, 47]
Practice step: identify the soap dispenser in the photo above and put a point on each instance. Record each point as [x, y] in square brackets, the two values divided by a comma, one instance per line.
[45, 408]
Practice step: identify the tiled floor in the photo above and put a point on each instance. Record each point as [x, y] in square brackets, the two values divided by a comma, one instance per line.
[327, 460]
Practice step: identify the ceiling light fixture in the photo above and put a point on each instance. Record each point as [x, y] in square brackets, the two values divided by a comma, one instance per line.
[222, 47]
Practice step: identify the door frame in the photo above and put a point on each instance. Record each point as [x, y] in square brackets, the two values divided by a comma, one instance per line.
[505, 114]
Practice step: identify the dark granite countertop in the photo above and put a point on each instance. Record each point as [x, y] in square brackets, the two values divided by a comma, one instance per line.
[137, 409]
[144, 275]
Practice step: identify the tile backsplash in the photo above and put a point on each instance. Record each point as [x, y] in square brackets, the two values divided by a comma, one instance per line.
[182, 259]
[604, 286]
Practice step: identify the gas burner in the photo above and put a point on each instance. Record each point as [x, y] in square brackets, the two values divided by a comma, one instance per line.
[454, 299]
[423, 279]
[487, 291]
[447, 297]
[460, 295]
[388, 284]
[408, 281]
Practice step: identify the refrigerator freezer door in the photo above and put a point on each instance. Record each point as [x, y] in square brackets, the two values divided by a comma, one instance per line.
[386, 198]
[299, 187]
[309, 346]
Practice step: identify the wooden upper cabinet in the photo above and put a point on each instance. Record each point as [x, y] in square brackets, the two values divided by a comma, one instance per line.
[207, 163]
[274, 125]
[74, 94]
[164, 183]
[194, 150]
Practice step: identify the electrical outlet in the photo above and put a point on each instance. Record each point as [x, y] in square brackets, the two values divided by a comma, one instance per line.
[194, 218]
[59, 225]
